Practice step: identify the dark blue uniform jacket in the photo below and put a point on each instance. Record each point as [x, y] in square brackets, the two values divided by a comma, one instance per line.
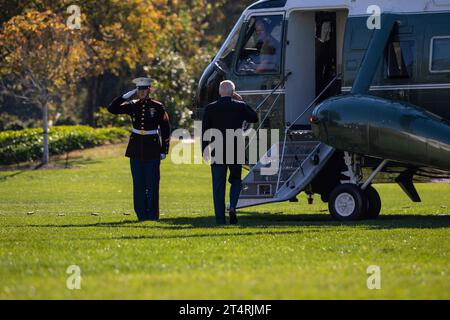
[146, 114]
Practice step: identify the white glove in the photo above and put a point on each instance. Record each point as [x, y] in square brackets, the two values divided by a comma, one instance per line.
[128, 95]
[207, 155]
[163, 156]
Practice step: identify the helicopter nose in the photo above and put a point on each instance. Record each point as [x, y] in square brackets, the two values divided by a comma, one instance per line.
[318, 121]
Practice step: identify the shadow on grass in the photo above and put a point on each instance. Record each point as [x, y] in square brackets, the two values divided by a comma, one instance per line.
[116, 224]
[59, 164]
[240, 233]
[76, 162]
[9, 176]
[268, 220]
[256, 219]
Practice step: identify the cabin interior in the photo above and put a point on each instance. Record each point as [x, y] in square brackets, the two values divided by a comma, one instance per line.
[314, 49]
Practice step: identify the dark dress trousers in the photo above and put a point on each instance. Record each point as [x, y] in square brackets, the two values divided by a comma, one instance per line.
[144, 151]
[226, 113]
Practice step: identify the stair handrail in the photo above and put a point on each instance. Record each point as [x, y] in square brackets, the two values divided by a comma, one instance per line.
[300, 167]
[314, 101]
[299, 117]
[281, 162]
[283, 80]
[261, 122]
[286, 76]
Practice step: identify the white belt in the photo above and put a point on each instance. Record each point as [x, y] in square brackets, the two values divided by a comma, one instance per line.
[145, 133]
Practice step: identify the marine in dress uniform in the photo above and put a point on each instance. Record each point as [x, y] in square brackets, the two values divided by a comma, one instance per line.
[148, 145]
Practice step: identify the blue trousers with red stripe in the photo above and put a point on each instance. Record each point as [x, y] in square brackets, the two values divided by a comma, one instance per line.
[146, 175]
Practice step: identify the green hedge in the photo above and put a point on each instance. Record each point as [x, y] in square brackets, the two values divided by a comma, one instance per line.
[27, 145]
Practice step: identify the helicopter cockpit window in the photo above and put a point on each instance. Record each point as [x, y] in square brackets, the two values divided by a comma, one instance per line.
[261, 50]
[226, 58]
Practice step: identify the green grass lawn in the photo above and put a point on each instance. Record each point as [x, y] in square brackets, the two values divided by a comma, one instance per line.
[51, 219]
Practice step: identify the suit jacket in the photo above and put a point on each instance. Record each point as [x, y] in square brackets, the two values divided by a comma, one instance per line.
[146, 114]
[227, 113]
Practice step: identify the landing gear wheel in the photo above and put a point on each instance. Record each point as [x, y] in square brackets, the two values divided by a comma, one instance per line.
[347, 203]
[373, 203]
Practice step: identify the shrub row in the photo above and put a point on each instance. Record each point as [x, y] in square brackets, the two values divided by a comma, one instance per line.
[27, 145]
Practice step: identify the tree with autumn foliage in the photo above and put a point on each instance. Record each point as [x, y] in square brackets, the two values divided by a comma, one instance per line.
[170, 40]
[41, 62]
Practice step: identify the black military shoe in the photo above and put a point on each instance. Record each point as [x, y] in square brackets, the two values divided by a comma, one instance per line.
[233, 217]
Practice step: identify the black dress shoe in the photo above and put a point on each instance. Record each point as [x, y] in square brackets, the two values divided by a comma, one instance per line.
[233, 217]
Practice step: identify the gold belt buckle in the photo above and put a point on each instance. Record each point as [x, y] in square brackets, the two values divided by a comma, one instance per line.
[142, 132]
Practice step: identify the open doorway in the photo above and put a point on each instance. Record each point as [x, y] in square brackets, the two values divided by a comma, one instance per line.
[325, 49]
[314, 56]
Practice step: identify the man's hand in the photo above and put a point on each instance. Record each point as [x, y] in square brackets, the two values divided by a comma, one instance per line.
[237, 96]
[163, 156]
[129, 94]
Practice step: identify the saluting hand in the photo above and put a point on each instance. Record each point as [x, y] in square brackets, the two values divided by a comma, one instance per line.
[129, 94]
[237, 96]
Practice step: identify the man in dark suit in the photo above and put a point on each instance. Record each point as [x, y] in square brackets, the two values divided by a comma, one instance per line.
[221, 116]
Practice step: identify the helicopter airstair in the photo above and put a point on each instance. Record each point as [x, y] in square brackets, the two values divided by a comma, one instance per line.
[299, 158]
[300, 161]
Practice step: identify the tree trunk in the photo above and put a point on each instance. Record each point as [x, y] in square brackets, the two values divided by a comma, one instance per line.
[45, 156]
[92, 100]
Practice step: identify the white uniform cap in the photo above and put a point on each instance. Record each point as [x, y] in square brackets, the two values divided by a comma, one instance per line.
[143, 82]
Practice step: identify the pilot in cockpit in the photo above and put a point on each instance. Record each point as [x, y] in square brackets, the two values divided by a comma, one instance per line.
[261, 53]
[267, 47]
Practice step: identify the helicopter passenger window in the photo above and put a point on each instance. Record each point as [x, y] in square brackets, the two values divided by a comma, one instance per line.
[440, 54]
[400, 59]
[261, 50]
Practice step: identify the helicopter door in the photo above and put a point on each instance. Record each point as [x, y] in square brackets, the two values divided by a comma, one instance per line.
[325, 50]
[312, 55]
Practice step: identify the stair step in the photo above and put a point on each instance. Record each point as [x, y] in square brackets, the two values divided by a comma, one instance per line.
[301, 142]
[258, 171]
[285, 174]
[298, 149]
[296, 171]
[254, 197]
[296, 155]
[262, 188]
[285, 159]
[262, 182]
